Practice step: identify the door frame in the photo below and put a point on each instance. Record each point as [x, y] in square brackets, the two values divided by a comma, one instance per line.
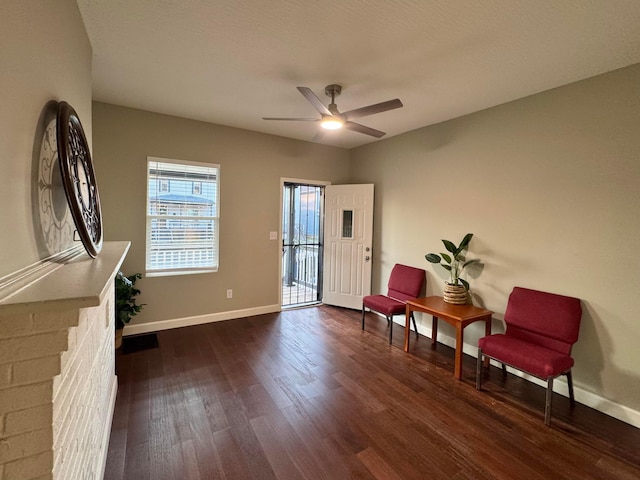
[283, 180]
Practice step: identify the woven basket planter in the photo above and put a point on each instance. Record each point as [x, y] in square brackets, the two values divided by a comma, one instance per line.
[455, 294]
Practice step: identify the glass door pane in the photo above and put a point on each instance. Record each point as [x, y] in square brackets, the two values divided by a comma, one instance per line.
[301, 244]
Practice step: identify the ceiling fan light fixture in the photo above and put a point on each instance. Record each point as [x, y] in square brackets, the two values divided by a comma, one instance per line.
[332, 119]
[331, 123]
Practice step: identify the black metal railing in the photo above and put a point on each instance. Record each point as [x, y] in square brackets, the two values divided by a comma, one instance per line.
[300, 268]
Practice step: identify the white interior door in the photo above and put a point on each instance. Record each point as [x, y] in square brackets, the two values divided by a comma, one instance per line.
[348, 233]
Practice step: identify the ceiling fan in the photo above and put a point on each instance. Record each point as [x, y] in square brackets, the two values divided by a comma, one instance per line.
[332, 119]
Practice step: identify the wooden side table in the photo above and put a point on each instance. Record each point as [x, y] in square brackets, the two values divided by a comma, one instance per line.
[457, 315]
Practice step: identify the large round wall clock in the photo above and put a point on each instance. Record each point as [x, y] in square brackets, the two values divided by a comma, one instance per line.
[79, 179]
[54, 217]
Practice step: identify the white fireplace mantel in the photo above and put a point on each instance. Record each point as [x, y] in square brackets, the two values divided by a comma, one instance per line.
[79, 283]
[57, 375]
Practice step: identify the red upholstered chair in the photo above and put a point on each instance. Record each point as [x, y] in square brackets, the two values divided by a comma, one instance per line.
[541, 329]
[404, 283]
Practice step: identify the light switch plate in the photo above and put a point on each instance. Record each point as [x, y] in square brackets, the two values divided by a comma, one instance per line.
[273, 235]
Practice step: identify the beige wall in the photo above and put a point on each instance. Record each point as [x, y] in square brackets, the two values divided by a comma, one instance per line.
[550, 186]
[44, 55]
[251, 167]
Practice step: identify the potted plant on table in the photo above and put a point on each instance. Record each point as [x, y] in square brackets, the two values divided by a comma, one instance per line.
[456, 289]
[126, 306]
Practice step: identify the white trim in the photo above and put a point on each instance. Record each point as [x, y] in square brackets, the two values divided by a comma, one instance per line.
[585, 397]
[173, 273]
[80, 283]
[182, 162]
[609, 407]
[283, 180]
[102, 460]
[214, 219]
[197, 320]
[302, 181]
[20, 279]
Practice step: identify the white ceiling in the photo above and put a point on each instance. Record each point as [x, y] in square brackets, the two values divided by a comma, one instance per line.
[232, 62]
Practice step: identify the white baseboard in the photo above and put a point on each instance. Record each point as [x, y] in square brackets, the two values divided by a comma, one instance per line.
[197, 320]
[585, 397]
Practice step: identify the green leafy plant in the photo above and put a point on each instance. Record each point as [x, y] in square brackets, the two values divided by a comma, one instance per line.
[454, 261]
[126, 293]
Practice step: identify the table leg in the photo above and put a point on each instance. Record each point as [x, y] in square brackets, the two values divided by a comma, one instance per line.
[407, 326]
[434, 330]
[457, 371]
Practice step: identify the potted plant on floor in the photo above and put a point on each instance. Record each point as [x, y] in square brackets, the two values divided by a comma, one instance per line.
[456, 289]
[126, 306]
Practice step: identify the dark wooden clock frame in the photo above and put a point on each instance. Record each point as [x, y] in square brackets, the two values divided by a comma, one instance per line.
[79, 179]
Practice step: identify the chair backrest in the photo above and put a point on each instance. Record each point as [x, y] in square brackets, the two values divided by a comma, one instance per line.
[546, 319]
[405, 282]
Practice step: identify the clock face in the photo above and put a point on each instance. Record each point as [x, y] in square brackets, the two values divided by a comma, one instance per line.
[83, 188]
[56, 224]
[78, 179]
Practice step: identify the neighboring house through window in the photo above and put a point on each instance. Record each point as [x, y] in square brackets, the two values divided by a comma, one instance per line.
[183, 215]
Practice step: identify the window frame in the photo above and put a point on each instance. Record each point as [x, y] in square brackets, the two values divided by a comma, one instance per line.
[184, 207]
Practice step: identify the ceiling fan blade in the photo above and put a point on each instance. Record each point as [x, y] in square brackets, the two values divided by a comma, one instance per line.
[371, 109]
[356, 127]
[295, 119]
[313, 100]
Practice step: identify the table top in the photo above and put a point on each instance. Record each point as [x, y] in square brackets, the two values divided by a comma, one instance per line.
[438, 307]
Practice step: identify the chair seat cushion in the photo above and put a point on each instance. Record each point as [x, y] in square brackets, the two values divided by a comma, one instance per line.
[528, 357]
[386, 305]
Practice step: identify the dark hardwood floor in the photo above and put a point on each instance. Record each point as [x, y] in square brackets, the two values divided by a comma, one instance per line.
[305, 394]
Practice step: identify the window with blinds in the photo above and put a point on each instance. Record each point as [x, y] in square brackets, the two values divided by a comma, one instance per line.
[183, 215]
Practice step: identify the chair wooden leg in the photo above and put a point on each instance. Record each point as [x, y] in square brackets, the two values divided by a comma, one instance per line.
[415, 327]
[572, 399]
[479, 370]
[362, 316]
[504, 370]
[390, 320]
[547, 404]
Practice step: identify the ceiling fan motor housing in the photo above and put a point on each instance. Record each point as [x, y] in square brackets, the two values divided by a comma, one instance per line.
[333, 91]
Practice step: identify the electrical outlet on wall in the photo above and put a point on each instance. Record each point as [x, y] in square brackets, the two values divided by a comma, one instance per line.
[229, 293]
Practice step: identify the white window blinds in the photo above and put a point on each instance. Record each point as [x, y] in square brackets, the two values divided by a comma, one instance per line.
[183, 214]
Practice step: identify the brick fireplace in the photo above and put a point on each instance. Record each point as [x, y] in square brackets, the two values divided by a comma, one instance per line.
[57, 376]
